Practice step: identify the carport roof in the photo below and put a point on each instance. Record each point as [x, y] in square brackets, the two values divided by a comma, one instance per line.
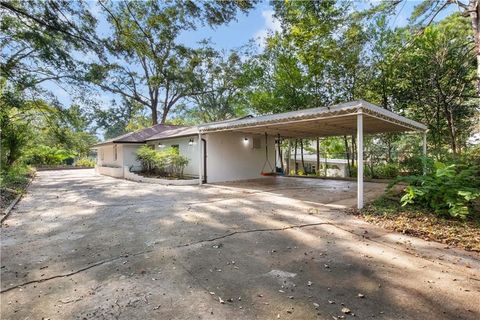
[334, 120]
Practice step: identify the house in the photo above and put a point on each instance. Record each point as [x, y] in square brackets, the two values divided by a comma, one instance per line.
[244, 148]
[231, 155]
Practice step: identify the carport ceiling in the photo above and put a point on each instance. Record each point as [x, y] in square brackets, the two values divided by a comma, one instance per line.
[335, 120]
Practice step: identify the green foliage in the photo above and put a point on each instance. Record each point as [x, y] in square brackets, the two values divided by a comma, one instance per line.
[414, 165]
[16, 177]
[39, 133]
[40, 39]
[85, 162]
[147, 158]
[221, 88]
[449, 190]
[388, 170]
[145, 35]
[46, 155]
[167, 162]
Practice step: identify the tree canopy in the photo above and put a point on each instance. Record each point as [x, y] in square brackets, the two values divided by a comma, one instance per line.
[125, 68]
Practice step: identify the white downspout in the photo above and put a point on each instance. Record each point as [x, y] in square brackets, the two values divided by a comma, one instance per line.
[359, 159]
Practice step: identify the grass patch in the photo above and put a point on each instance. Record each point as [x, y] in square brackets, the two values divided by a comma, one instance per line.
[412, 220]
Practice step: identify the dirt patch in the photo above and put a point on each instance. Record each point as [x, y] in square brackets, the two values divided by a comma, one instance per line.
[417, 222]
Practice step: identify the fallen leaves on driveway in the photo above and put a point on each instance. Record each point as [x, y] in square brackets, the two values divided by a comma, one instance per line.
[422, 224]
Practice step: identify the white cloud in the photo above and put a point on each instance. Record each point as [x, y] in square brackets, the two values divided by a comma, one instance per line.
[271, 25]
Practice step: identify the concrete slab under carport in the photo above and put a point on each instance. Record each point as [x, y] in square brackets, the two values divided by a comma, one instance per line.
[333, 193]
[96, 247]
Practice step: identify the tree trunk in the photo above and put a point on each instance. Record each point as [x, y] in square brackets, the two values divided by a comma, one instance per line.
[154, 116]
[301, 150]
[353, 151]
[347, 153]
[295, 158]
[474, 12]
[451, 129]
[288, 155]
[164, 117]
[318, 158]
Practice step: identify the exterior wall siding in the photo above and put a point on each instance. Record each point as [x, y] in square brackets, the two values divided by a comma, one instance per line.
[230, 157]
[108, 156]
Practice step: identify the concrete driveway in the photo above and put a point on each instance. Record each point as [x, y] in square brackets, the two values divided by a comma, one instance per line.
[81, 246]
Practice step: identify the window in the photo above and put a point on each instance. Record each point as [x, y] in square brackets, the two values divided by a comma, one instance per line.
[115, 152]
[102, 157]
[176, 147]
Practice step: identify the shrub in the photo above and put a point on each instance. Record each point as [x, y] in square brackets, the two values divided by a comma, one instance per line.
[46, 155]
[147, 158]
[449, 190]
[167, 162]
[15, 177]
[178, 164]
[85, 162]
[414, 165]
[387, 170]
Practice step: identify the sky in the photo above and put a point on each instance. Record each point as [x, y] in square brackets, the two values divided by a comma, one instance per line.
[254, 25]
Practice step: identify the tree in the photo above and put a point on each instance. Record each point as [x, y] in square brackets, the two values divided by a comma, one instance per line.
[221, 88]
[119, 119]
[39, 40]
[435, 79]
[425, 13]
[145, 63]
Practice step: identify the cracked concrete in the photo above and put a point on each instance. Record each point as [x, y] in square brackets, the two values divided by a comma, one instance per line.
[81, 246]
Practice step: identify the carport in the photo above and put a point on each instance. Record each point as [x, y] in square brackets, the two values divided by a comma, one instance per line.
[358, 117]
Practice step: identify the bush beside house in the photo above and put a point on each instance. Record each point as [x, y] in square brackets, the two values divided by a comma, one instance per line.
[167, 163]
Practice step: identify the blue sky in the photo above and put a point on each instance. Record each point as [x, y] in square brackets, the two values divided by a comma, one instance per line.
[254, 25]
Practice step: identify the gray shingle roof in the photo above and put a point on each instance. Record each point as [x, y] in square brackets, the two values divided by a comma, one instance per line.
[177, 132]
[142, 135]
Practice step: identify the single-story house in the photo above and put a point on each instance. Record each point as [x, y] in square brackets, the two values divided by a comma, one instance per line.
[229, 155]
[244, 148]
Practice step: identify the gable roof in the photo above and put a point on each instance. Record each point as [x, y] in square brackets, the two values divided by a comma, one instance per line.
[173, 133]
[140, 136]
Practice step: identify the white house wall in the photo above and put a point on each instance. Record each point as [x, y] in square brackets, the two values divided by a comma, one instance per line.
[126, 156]
[229, 158]
[130, 155]
[108, 159]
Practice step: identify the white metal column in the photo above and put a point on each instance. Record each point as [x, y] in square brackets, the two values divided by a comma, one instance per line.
[424, 151]
[360, 159]
[200, 160]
